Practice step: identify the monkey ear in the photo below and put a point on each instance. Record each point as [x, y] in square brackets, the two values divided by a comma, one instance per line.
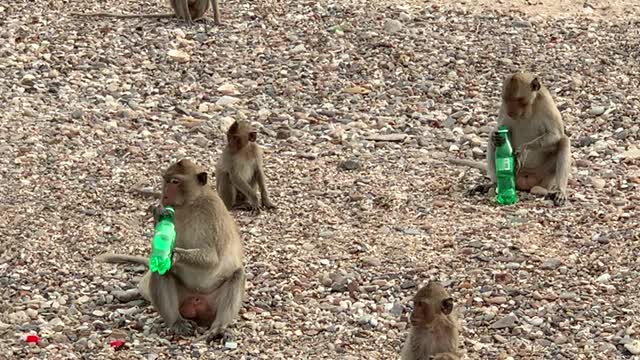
[535, 84]
[234, 127]
[253, 136]
[202, 178]
[447, 306]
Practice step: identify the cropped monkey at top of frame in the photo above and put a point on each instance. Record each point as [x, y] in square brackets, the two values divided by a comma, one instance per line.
[536, 132]
[187, 10]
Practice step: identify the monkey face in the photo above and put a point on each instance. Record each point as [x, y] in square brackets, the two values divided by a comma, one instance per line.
[240, 134]
[182, 183]
[431, 301]
[518, 95]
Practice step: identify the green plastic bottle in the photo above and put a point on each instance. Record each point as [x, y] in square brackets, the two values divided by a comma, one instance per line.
[162, 243]
[505, 170]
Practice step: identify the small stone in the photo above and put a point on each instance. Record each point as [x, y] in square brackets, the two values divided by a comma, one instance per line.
[598, 183]
[372, 261]
[604, 278]
[551, 264]
[179, 56]
[388, 137]
[392, 26]
[585, 141]
[508, 321]
[633, 347]
[498, 300]
[228, 89]
[127, 295]
[227, 100]
[521, 24]
[349, 165]
[77, 114]
[631, 154]
[454, 148]
[597, 110]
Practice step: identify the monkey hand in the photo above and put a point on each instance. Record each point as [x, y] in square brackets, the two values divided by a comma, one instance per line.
[158, 211]
[496, 140]
[175, 256]
[520, 157]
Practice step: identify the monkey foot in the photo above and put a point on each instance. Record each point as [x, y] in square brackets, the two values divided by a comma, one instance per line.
[184, 327]
[217, 334]
[479, 189]
[248, 207]
[558, 197]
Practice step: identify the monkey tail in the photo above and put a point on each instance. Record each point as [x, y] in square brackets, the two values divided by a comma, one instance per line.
[470, 163]
[125, 16]
[122, 259]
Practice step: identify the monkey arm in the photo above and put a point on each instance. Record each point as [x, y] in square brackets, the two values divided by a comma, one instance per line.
[264, 194]
[546, 141]
[243, 186]
[201, 257]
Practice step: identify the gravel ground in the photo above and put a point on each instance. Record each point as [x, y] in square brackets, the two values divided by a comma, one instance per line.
[358, 104]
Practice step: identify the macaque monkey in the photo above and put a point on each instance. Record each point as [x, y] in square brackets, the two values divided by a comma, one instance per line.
[240, 170]
[434, 328]
[187, 10]
[205, 284]
[536, 132]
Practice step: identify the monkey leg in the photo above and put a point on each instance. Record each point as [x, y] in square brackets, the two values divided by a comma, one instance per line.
[164, 291]
[227, 301]
[227, 191]
[143, 286]
[446, 356]
[562, 169]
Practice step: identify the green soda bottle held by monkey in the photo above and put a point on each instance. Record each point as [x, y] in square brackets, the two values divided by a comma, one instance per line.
[505, 170]
[164, 238]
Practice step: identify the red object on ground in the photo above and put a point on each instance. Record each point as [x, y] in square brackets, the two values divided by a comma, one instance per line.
[116, 344]
[33, 339]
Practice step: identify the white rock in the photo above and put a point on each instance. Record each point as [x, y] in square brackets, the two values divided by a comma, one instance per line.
[392, 26]
[227, 100]
[179, 56]
[633, 347]
[604, 278]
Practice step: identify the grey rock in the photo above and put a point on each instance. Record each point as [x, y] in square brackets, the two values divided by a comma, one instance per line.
[508, 321]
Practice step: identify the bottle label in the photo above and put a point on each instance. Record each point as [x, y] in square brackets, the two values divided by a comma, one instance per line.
[506, 164]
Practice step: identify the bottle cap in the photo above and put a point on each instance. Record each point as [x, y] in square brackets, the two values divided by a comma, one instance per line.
[170, 210]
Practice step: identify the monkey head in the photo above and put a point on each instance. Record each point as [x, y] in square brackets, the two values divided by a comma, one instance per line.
[183, 182]
[430, 301]
[240, 134]
[519, 91]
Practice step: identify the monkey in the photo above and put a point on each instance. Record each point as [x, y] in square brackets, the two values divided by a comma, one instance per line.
[536, 131]
[187, 10]
[240, 170]
[434, 329]
[206, 281]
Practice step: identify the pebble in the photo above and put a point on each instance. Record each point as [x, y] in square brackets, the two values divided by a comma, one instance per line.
[633, 347]
[508, 321]
[392, 26]
[551, 264]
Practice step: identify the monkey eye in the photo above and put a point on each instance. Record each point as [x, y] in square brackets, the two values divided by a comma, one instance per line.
[175, 181]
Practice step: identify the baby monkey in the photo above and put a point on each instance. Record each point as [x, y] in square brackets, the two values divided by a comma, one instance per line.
[434, 328]
[240, 170]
